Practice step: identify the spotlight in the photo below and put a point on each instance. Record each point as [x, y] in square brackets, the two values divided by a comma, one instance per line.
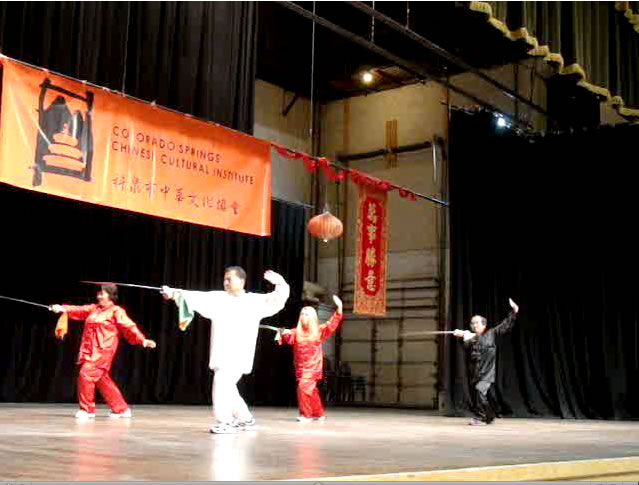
[367, 77]
[501, 122]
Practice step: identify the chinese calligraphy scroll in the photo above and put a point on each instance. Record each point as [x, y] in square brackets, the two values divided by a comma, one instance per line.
[371, 251]
[67, 138]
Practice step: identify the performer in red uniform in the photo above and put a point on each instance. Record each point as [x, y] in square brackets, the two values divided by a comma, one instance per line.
[307, 340]
[103, 324]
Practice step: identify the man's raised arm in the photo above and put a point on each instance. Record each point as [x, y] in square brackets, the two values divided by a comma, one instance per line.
[274, 301]
[506, 325]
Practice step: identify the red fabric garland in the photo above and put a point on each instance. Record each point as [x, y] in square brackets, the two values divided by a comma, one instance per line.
[310, 162]
[360, 178]
[332, 174]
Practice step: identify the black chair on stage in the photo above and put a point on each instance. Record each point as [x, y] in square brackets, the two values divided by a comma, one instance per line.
[328, 386]
[358, 384]
[348, 385]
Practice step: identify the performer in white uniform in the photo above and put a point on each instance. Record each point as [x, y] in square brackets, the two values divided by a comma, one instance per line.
[235, 317]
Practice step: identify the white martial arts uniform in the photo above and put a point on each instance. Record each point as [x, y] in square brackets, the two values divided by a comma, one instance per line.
[234, 325]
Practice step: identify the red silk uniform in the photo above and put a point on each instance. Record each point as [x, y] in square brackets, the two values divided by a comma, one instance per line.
[100, 340]
[309, 366]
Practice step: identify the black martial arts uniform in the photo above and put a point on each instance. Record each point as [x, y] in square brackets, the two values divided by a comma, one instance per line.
[483, 352]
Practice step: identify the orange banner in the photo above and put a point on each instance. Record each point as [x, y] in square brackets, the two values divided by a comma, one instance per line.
[71, 139]
[371, 251]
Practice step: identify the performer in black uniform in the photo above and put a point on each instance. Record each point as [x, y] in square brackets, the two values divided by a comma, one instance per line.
[482, 345]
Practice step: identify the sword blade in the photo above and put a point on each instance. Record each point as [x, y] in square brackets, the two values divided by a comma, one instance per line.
[129, 285]
[427, 332]
[24, 301]
[278, 335]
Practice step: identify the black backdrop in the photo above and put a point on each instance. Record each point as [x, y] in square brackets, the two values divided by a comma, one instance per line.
[195, 57]
[550, 222]
[49, 244]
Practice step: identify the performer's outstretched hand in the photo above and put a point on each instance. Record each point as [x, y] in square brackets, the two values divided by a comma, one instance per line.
[275, 278]
[513, 305]
[57, 308]
[465, 334]
[149, 344]
[167, 292]
[338, 302]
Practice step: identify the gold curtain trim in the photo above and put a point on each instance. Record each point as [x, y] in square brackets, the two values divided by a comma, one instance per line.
[556, 60]
[632, 17]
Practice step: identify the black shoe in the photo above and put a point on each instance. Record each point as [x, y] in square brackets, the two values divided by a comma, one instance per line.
[477, 422]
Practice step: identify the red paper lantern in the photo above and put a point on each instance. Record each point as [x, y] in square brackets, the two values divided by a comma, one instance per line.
[325, 226]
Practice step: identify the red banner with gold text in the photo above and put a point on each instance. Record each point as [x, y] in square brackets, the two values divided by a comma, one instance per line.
[371, 251]
[67, 138]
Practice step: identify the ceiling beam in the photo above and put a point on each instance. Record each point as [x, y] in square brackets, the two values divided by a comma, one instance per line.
[390, 77]
[416, 70]
[448, 56]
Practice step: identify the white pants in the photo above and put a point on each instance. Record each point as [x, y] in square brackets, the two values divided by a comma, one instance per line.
[227, 402]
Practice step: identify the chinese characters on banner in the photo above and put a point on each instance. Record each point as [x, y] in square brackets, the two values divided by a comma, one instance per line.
[66, 138]
[372, 242]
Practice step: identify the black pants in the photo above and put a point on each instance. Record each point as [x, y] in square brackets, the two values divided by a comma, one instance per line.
[483, 406]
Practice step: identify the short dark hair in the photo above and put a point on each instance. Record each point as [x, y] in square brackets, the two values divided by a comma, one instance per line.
[111, 290]
[483, 320]
[238, 270]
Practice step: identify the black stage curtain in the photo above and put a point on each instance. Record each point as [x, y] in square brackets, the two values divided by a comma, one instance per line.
[49, 244]
[195, 57]
[549, 222]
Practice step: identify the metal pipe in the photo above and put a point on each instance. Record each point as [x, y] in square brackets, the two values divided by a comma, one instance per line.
[453, 59]
[407, 66]
[391, 184]
[394, 186]
[377, 153]
[124, 95]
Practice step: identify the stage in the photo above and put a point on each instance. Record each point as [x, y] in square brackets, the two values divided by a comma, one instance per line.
[172, 443]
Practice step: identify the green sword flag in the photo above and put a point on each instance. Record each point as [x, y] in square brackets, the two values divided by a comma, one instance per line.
[185, 314]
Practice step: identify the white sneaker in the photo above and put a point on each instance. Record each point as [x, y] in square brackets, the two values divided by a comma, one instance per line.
[250, 425]
[304, 419]
[82, 414]
[221, 428]
[321, 418]
[125, 414]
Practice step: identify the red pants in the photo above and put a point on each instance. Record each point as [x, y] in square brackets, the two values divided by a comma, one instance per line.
[91, 377]
[308, 399]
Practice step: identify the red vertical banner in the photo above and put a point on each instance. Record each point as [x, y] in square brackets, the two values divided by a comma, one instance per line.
[371, 251]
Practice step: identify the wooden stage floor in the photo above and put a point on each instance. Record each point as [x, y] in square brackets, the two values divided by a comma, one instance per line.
[171, 443]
